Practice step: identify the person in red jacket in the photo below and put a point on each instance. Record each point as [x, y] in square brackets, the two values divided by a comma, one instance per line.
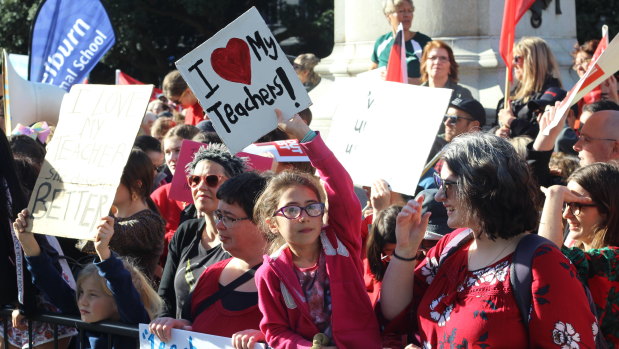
[177, 91]
[313, 284]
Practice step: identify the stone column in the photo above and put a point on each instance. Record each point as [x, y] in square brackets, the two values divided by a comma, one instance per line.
[471, 27]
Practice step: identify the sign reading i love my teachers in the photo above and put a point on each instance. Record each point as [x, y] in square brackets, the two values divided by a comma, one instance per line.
[240, 76]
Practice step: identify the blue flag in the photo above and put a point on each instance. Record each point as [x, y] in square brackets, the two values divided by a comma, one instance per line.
[69, 37]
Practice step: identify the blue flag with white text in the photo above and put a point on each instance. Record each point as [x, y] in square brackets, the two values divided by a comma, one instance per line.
[68, 38]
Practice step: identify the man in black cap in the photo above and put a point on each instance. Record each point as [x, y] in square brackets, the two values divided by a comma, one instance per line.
[463, 115]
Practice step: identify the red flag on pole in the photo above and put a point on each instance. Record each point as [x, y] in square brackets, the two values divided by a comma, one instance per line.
[124, 79]
[397, 70]
[596, 94]
[513, 11]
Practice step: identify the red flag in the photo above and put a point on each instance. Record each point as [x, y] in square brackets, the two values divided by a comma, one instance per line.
[513, 11]
[596, 94]
[397, 70]
[124, 79]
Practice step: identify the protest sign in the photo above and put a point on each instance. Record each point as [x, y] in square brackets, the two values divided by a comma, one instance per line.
[86, 157]
[181, 339]
[240, 76]
[180, 191]
[385, 130]
[605, 66]
[283, 151]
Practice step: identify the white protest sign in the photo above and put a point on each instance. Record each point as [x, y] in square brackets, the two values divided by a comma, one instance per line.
[240, 75]
[86, 157]
[606, 65]
[182, 339]
[385, 130]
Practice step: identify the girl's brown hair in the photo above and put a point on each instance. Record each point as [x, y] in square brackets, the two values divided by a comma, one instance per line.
[268, 201]
[151, 300]
[601, 180]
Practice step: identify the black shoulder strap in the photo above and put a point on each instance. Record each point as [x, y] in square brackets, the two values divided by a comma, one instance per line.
[224, 291]
[520, 275]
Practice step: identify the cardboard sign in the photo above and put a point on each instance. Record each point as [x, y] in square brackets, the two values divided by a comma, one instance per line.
[180, 190]
[283, 151]
[385, 130]
[240, 75]
[606, 65]
[86, 157]
[182, 339]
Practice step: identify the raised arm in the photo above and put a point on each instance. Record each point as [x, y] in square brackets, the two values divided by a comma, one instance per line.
[397, 287]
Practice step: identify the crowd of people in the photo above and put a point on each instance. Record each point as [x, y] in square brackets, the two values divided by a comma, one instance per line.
[511, 240]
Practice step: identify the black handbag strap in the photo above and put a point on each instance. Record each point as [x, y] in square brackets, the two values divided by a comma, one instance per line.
[224, 291]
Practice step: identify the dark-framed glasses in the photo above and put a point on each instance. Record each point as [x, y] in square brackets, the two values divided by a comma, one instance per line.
[443, 183]
[210, 180]
[293, 211]
[575, 207]
[226, 220]
[453, 119]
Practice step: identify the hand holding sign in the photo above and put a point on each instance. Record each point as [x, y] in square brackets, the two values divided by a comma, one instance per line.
[240, 76]
[294, 127]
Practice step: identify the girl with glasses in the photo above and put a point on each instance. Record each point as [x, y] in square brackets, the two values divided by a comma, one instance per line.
[440, 69]
[489, 195]
[313, 284]
[590, 204]
[196, 244]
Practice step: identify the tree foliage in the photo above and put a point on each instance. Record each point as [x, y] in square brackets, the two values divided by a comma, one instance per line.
[591, 15]
[152, 34]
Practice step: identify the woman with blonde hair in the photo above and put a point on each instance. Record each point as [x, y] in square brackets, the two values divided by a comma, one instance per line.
[440, 69]
[536, 70]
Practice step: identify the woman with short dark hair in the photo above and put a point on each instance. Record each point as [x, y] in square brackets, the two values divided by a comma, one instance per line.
[467, 298]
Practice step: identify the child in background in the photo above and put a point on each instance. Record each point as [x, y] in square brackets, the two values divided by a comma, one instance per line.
[108, 289]
[314, 283]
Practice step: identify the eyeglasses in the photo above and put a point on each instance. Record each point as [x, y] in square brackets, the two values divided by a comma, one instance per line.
[441, 59]
[575, 207]
[211, 180]
[404, 12]
[443, 183]
[587, 139]
[297, 67]
[517, 59]
[453, 119]
[582, 63]
[227, 221]
[178, 100]
[294, 211]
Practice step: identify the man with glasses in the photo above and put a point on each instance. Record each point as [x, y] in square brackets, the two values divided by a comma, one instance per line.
[599, 138]
[463, 115]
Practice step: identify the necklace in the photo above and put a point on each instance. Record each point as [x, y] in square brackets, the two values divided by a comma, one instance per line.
[509, 243]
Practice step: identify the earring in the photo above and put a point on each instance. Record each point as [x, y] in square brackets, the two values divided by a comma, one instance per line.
[134, 196]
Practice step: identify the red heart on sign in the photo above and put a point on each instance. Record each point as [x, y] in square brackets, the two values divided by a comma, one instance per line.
[233, 62]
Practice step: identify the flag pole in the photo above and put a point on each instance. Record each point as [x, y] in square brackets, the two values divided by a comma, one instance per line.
[507, 87]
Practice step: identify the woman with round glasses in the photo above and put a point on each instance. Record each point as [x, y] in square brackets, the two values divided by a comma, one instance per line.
[313, 285]
[196, 243]
[489, 194]
[401, 11]
[440, 69]
[536, 70]
[590, 204]
[233, 312]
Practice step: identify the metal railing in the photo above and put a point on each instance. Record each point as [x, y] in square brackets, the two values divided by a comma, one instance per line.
[107, 327]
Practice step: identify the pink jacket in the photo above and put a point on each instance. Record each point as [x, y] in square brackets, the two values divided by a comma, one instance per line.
[286, 321]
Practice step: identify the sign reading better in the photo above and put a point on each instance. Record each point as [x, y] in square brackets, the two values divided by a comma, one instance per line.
[86, 157]
[240, 75]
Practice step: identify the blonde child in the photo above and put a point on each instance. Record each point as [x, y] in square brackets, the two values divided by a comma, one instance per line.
[314, 283]
[108, 289]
